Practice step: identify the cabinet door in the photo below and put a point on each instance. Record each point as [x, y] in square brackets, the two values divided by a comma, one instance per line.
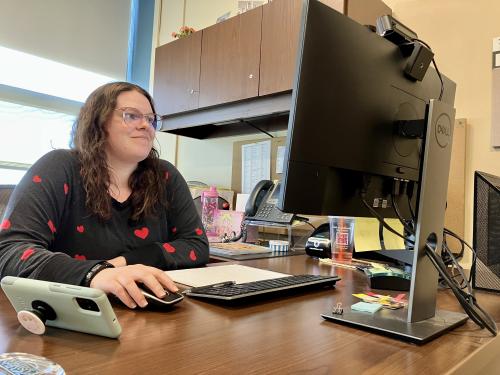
[280, 36]
[177, 75]
[230, 59]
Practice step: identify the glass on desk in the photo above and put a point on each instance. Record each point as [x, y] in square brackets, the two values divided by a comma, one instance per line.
[341, 237]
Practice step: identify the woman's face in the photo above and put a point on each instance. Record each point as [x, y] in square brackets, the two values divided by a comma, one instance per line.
[130, 136]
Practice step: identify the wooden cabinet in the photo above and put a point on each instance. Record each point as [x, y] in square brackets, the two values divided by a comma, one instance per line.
[243, 61]
[177, 75]
[230, 59]
[280, 35]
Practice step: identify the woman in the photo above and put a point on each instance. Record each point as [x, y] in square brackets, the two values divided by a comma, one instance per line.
[108, 214]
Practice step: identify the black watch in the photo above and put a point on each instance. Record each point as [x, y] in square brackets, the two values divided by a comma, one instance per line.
[94, 271]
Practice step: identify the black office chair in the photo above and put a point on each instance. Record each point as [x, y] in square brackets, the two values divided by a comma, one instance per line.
[5, 192]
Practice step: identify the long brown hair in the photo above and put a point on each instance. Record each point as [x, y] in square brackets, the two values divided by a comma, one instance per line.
[89, 139]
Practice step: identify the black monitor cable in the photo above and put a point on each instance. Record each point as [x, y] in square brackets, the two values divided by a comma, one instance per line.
[381, 219]
[410, 208]
[450, 258]
[466, 299]
[305, 220]
[407, 224]
[456, 271]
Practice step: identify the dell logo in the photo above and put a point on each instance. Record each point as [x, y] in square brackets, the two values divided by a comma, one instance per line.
[443, 130]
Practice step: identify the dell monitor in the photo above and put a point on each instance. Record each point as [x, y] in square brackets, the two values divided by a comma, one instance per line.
[361, 132]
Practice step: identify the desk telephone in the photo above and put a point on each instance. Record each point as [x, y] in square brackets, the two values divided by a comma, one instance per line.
[261, 204]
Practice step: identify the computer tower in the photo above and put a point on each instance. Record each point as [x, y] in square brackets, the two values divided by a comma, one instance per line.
[486, 232]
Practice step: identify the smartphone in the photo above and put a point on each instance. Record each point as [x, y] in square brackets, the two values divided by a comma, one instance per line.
[76, 308]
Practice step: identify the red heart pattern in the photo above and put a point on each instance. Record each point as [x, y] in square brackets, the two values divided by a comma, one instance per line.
[169, 248]
[198, 231]
[80, 228]
[166, 175]
[51, 226]
[66, 189]
[37, 179]
[80, 257]
[174, 230]
[5, 224]
[142, 233]
[27, 254]
[192, 255]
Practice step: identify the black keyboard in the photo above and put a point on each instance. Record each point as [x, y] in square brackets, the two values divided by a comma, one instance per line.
[230, 291]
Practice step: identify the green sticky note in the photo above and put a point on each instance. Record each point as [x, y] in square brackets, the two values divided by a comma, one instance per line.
[366, 307]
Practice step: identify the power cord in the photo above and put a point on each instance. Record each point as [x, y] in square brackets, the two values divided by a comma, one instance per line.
[466, 299]
[304, 220]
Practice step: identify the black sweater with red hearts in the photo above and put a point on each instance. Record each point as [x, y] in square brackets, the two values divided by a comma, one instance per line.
[48, 233]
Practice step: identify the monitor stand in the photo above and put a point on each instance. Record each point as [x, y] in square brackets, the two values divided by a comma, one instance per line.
[422, 322]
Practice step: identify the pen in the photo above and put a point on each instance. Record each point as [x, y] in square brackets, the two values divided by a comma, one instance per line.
[338, 264]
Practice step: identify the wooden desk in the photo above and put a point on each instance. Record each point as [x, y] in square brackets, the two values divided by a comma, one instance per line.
[283, 335]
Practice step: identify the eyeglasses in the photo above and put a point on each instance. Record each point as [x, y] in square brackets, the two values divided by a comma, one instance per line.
[133, 117]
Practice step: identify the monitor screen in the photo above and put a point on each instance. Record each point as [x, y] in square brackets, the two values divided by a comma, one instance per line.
[349, 93]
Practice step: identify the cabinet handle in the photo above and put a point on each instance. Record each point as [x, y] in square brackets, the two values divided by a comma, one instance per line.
[250, 76]
[191, 91]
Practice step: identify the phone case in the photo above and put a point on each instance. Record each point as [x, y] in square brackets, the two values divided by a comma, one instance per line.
[62, 298]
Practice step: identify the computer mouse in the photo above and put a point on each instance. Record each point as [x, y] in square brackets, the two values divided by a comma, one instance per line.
[170, 298]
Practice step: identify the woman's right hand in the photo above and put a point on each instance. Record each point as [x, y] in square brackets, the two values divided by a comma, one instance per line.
[122, 282]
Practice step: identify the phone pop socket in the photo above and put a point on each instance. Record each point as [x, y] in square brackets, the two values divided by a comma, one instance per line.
[34, 320]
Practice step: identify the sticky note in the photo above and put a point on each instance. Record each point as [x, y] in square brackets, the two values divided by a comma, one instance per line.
[366, 307]
[366, 237]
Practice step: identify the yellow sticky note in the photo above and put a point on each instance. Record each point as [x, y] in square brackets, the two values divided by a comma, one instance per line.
[366, 234]
[366, 237]
[392, 241]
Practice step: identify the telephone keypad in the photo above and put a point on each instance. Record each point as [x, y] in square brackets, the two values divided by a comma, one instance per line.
[269, 212]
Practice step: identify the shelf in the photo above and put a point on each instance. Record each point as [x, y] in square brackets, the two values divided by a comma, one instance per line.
[268, 113]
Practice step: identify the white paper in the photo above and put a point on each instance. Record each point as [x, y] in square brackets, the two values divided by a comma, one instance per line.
[496, 44]
[497, 60]
[195, 277]
[280, 158]
[255, 164]
[241, 201]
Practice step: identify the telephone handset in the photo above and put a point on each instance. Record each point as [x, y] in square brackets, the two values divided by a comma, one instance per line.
[261, 204]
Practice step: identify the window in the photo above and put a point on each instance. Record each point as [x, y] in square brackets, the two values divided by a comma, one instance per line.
[40, 98]
[27, 134]
[28, 131]
[44, 76]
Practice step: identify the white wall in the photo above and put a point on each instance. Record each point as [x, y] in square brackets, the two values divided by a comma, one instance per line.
[460, 32]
